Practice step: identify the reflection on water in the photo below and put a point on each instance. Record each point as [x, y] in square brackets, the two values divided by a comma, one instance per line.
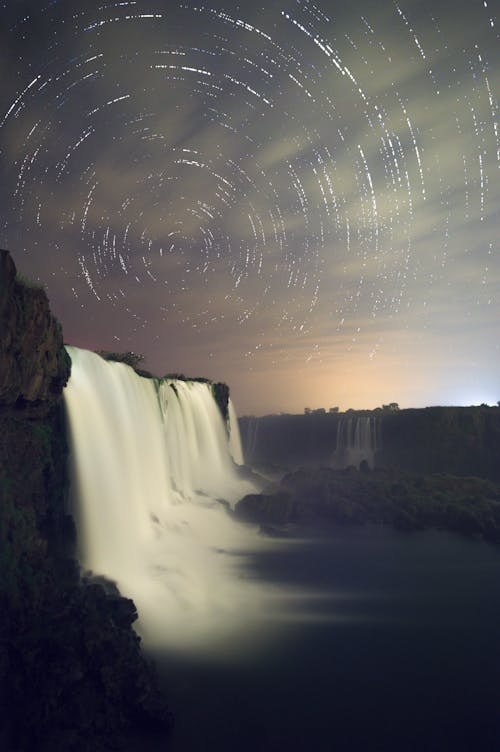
[397, 649]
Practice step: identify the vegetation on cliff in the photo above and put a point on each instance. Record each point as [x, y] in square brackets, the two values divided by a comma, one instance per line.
[456, 440]
[220, 390]
[407, 501]
[130, 358]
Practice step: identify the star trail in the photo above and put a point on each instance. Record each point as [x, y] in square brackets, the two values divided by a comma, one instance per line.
[296, 197]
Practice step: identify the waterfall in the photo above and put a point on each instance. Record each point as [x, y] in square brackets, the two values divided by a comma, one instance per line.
[250, 431]
[358, 439]
[235, 447]
[153, 479]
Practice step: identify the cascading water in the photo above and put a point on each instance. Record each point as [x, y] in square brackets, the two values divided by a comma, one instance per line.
[153, 477]
[235, 447]
[358, 440]
[250, 438]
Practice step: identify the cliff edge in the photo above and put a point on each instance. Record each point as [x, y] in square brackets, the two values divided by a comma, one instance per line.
[73, 676]
[34, 366]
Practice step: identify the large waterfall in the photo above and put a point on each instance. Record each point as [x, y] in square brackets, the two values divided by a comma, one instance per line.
[153, 480]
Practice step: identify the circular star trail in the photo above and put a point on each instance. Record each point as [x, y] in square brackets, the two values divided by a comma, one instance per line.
[268, 179]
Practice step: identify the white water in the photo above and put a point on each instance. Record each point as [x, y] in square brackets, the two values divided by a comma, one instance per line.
[235, 447]
[358, 440]
[151, 463]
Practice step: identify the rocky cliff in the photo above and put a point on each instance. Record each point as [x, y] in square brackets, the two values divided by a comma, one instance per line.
[434, 468]
[34, 365]
[73, 677]
[457, 440]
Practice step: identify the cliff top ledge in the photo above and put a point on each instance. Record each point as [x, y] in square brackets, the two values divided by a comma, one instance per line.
[34, 366]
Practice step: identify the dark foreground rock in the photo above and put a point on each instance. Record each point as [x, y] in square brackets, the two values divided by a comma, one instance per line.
[73, 675]
[407, 501]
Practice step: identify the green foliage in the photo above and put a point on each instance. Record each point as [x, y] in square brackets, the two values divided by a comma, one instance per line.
[134, 360]
[467, 505]
[220, 392]
[129, 358]
[43, 433]
[182, 377]
[29, 283]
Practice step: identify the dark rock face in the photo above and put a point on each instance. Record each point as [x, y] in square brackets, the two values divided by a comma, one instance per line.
[33, 484]
[73, 676]
[289, 441]
[436, 467]
[455, 440]
[34, 365]
[221, 396]
[268, 509]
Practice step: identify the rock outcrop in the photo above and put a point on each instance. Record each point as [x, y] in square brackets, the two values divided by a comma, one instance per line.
[34, 365]
[73, 676]
[221, 396]
[323, 496]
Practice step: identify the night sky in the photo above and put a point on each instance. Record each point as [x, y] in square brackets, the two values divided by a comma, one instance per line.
[299, 198]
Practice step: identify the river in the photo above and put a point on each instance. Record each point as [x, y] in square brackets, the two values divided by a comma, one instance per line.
[395, 645]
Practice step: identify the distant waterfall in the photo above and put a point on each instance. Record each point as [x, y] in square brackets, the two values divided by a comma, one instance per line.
[358, 439]
[235, 447]
[153, 475]
[250, 438]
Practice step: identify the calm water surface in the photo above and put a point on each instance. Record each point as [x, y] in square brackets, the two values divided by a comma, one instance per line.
[400, 652]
